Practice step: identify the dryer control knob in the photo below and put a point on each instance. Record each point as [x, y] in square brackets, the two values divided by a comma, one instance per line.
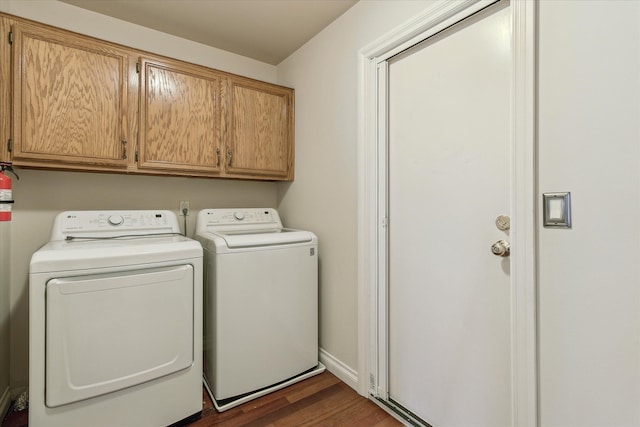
[239, 216]
[116, 219]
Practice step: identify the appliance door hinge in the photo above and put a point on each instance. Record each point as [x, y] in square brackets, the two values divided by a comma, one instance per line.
[10, 145]
[10, 37]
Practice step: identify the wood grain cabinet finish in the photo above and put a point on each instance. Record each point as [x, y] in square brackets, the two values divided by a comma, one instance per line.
[69, 100]
[259, 129]
[179, 117]
[74, 102]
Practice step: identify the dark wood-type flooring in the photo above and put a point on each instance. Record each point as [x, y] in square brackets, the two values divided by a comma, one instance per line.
[322, 400]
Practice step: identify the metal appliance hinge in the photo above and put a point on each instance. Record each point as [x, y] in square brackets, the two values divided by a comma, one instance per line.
[10, 145]
[138, 67]
[10, 37]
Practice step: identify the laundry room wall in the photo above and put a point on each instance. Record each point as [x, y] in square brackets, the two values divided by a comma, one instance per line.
[5, 236]
[40, 195]
[589, 275]
[324, 196]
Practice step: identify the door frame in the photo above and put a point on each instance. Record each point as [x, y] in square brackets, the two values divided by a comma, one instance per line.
[372, 121]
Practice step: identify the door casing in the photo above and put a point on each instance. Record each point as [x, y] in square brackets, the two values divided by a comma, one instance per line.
[372, 334]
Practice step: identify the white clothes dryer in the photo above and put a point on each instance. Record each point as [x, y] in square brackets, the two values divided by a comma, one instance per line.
[115, 315]
[260, 304]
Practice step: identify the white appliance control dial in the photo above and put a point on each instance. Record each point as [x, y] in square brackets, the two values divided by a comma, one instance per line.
[116, 219]
[239, 216]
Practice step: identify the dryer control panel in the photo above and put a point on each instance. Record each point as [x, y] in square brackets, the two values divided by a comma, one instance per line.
[108, 222]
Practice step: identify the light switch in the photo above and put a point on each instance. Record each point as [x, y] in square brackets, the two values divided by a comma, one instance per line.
[557, 209]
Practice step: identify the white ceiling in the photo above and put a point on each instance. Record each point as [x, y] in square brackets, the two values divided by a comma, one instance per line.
[266, 30]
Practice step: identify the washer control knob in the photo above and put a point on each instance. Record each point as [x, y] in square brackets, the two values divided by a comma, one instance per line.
[239, 216]
[116, 219]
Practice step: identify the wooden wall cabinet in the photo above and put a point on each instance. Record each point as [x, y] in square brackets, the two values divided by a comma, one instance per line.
[200, 121]
[69, 100]
[84, 104]
[179, 117]
[259, 129]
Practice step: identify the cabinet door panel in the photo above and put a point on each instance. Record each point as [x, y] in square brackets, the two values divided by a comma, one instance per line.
[260, 134]
[69, 98]
[180, 118]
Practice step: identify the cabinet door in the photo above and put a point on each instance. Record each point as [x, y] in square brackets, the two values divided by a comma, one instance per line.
[179, 117]
[259, 125]
[69, 100]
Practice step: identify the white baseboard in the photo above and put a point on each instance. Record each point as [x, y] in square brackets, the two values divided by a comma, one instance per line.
[5, 403]
[339, 369]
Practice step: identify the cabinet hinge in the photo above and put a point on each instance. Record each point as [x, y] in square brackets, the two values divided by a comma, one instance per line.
[124, 148]
[138, 67]
[136, 156]
[10, 145]
[10, 37]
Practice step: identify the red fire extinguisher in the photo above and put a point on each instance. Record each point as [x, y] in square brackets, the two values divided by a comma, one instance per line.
[6, 196]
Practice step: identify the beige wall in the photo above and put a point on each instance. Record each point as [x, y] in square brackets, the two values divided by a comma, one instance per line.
[5, 236]
[589, 280]
[323, 198]
[40, 195]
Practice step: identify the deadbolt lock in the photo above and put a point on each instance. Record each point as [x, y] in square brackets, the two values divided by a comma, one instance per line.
[503, 222]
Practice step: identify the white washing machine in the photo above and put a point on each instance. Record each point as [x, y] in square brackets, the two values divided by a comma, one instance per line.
[260, 304]
[115, 322]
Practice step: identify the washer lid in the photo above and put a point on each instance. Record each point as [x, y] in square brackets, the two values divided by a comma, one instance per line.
[269, 237]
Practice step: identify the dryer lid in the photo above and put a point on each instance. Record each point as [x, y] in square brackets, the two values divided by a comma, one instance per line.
[70, 255]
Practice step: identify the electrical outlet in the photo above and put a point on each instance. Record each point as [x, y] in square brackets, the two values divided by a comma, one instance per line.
[184, 207]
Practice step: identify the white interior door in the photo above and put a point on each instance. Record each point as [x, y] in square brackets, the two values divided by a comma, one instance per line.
[448, 179]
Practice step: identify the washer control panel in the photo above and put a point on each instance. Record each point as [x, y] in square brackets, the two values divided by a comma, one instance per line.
[219, 219]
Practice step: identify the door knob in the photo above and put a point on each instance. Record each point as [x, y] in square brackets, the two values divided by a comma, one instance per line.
[501, 248]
